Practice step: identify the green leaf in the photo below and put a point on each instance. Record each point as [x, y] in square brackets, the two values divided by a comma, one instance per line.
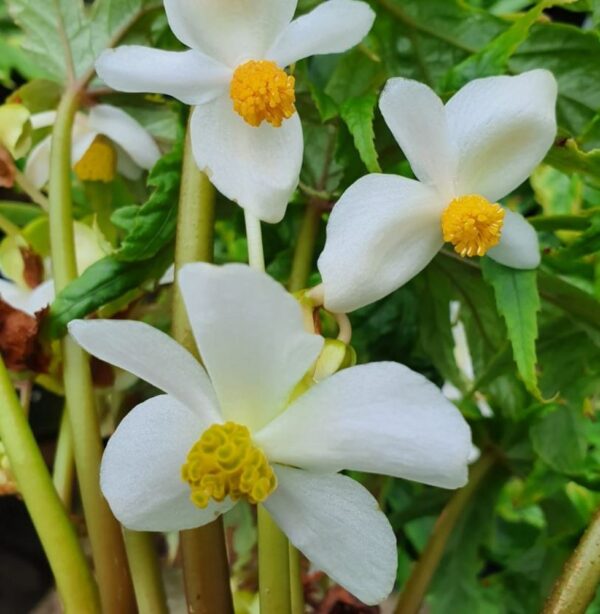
[152, 225]
[103, 282]
[358, 114]
[569, 158]
[20, 213]
[587, 243]
[518, 302]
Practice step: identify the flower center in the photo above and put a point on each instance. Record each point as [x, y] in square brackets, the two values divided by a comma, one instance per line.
[99, 162]
[472, 224]
[261, 91]
[224, 462]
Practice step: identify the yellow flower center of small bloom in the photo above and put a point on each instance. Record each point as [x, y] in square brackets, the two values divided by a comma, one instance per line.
[472, 224]
[261, 91]
[99, 162]
[225, 462]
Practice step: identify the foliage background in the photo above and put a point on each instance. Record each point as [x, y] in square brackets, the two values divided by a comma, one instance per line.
[532, 393]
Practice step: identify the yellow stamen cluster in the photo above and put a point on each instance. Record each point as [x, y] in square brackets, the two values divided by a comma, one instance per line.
[261, 91]
[225, 463]
[472, 224]
[99, 162]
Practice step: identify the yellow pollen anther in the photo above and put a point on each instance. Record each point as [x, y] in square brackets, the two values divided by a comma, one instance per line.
[261, 91]
[99, 162]
[472, 224]
[225, 463]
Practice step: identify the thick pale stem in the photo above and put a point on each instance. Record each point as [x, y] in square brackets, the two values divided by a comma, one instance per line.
[145, 571]
[73, 578]
[64, 465]
[105, 533]
[256, 256]
[577, 585]
[204, 552]
[422, 573]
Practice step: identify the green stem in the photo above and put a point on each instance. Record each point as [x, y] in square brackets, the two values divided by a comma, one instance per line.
[63, 473]
[305, 248]
[36, 196]
[296, 586]
[145, 571]
[73, 578]
[108, 550]
[204, 552]
[577, 585]
[422, 573]
[273, 566]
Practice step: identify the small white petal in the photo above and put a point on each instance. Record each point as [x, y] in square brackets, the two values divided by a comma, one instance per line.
[380, 418]
[382, 232]
[258, 168]
[188, 76]
[121, 128]
[126, 166]
[502, 127]
[416, 116]
[43, 120]
[82, 141]
[140, 474]
[333, 27]
[518, 247]
[40, 297]
[229, 31]
[154, 357]
[338, 525]
[37, 167]
[15, 295]
[250, 334]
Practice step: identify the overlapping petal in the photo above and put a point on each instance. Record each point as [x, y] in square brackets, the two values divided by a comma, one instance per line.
[251, 337]
[37, 167]
[256, 167]
[230, 31]
[338, 525]
[141, 468]
[333, 27]
[501, 127]
[383, 231]
[126, 132]
[189, 76]
[417, 119]
[519, 246]
[154, 357]
[381, 418]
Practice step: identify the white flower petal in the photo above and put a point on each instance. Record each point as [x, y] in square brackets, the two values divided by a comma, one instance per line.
[502, 127]
[40, 297]
[380, 418]
[14, 295]
[37, 167]
[382, 232]
[333, 27]
[82, 141]
[43, 120]
[230, 31]
[121, 128]
[258, 168]
[140, 474]
[188, 76]
[338, 525]
[126, 166]
[416, 116]
[154, 357]
[518, 247]
[250, 334]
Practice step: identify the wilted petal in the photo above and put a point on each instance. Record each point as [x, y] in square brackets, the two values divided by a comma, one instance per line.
[141, 469]
[188, 76]
[258, 168]
[154, 357]
[338, 525]
[381, 418]
[250, 334]
[502, 127]
[519, 247]
[333, 27]
[382, 232]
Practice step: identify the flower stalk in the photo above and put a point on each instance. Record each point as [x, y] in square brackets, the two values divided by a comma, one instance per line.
[206, 585]
[577, 585]
[75, 583]
[416, 586]
[63, 472]
[105, 534]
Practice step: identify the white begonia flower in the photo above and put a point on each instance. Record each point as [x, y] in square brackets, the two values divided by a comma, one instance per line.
[246, 134]
[105, 141]
[238, 430]
[466, 155]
